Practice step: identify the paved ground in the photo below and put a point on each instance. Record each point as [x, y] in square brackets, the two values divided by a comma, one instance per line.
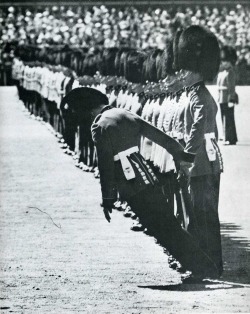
[88, 265]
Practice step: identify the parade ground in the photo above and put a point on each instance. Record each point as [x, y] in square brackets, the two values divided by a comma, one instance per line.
[59, 255]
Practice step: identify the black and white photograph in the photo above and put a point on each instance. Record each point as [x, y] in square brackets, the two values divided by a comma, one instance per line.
[125, 156]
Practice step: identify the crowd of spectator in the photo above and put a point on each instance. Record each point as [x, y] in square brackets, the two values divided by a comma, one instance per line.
[129, 26]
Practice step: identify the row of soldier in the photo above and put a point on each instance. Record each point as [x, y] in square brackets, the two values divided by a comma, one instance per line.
[145, 84]
[132, 80]
[135, 80]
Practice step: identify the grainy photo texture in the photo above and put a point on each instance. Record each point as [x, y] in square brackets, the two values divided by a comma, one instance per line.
[124, 156]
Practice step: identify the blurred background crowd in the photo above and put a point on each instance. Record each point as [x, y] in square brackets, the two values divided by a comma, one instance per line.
[135, 27]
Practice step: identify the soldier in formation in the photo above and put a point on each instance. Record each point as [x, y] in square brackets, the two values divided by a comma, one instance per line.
[227, 96]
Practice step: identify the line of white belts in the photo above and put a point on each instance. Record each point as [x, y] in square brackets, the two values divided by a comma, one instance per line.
[129, 171]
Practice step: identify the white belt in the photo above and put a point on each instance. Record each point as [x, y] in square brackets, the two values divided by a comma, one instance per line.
[126, 165]
[180, 136]
[206, 136]
[177, 135]
[209, 135]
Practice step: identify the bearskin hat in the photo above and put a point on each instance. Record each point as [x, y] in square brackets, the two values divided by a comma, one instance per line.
[150, 65]
[108, 61]
[158, 64]
[81, 65]
[75, 58]
[228, 53]
[117, 62]
[166, 61]
[197, 50]
[123, 59]
[90, 64]
[134, 66]
[175, 49]
[66, 56]
[79, 102]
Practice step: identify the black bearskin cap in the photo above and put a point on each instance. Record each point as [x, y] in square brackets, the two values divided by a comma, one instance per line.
[119, 60]
[81, 101]
[66, 56]
[175, 49]
[166, 61]
[108, 61]
[151, 65]
[123, 60]
[91, 62]
[229, 54]
[134, 66]
[198, 50]
[158, 64]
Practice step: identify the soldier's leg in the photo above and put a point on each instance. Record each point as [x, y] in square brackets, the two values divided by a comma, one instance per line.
[47, 110]
[231, 135]
[52, 113]
[33, 103]
[44, 109]
[223, 108]
[206, 227]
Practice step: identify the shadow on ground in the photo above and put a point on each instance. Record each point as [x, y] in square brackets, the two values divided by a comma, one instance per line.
[236, 254]
[236, 257]
[204, 286]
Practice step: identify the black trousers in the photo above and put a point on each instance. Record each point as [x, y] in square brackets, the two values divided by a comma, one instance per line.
[228, 122]
[151, 207]
[69, 131]
[204, 223]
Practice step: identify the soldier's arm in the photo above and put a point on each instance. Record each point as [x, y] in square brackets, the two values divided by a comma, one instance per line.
[162, 139]
[231, 86]
[196, 135]
[106, 167]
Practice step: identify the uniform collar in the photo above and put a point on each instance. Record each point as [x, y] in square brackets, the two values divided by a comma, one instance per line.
[98, 117]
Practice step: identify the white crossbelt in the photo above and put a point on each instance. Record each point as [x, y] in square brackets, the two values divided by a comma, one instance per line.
[126, 165]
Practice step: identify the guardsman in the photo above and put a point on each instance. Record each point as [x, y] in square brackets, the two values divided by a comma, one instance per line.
[197, 52]
[227, 97]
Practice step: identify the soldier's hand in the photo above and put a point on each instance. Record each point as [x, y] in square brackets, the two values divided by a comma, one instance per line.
[107, 212]
[184, 169]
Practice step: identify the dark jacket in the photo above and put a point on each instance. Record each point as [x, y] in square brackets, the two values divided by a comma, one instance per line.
[200, 119]
[115, 131]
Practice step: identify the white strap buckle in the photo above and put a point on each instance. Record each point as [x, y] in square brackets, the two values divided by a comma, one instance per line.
[126, 165]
